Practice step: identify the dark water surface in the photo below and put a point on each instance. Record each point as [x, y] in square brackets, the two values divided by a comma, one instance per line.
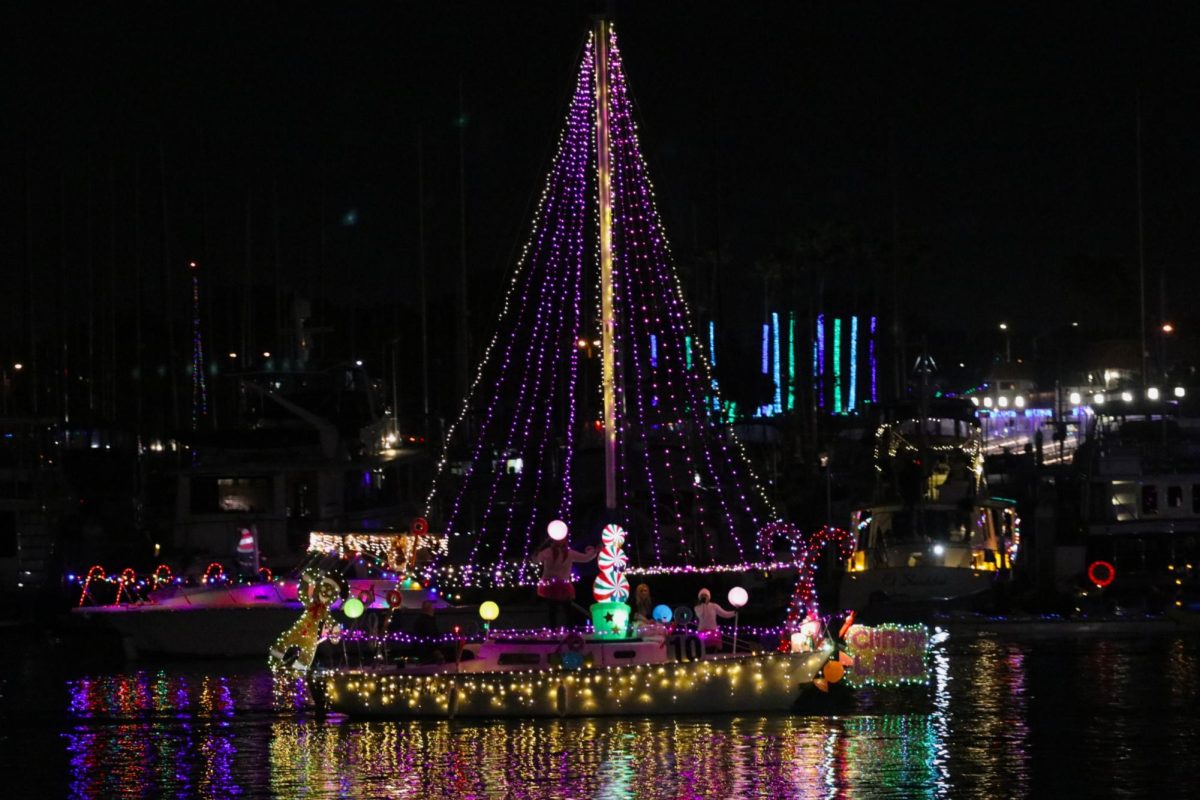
[1074, 718]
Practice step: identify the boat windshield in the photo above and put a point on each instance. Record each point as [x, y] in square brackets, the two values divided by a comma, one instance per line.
[923, 525]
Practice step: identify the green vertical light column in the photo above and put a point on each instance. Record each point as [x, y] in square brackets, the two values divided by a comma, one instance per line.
[791, 391]
[837, 365]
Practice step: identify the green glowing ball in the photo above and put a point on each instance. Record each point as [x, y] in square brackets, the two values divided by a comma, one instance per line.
[353, 608]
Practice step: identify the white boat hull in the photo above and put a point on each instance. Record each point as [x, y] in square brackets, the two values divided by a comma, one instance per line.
[914, 585]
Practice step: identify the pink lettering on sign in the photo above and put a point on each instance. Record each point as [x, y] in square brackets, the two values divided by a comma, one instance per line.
[895, 654]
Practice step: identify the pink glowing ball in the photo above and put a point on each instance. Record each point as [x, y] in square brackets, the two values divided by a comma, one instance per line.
[557, 530]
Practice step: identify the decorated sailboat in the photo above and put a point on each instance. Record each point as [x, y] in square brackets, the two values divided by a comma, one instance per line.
[676, 493]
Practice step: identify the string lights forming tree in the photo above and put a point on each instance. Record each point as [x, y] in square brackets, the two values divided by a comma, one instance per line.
[513, 459]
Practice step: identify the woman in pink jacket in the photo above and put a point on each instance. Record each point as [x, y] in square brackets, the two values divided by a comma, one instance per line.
[556, 587]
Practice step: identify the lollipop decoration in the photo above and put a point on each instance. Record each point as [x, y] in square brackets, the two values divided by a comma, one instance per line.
[610, 613]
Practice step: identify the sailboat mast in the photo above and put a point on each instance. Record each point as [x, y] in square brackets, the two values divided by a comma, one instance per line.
[608, 321]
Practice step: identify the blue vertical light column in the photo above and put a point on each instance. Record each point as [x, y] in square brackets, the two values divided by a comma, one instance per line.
[766, 349]
[653, 350]
[712, 361]
[819, 362]
[852, 400]
[874, 365]
[837, 365]
[775, 363]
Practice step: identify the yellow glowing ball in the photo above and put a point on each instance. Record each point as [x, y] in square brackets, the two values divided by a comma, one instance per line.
[833, 671]
[489, 611]
[353, 608]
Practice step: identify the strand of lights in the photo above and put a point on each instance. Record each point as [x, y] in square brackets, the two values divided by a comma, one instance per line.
[759, 680]
[804, 600]
[766, 349]
[95, 573]
[551, 258]
[199, 389]
[791, 393]
[776, 366]
[712, 355]
[672, 459]
[852, 401]
[768, 633]
[640, 306]
[874, 364]
[660, 259]
[819, 361]
[837, 365]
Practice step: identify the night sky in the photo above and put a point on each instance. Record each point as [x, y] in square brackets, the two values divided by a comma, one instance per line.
[994, 142]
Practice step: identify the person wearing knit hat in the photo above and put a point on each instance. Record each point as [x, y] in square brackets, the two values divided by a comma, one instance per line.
[706, 619]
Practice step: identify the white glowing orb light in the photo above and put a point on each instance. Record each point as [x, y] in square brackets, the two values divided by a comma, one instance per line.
[939, 550]
[557, 530]
[987, 402]
[1019, 401]
[1127, 397]
[1076, 398]
[1152, 393]
[738, 597]
[1179, 391]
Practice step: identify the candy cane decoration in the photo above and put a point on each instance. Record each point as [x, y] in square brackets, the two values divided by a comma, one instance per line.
[804, 596]
[158, 578]
[209, 577]
[96, 572]
[128, 576]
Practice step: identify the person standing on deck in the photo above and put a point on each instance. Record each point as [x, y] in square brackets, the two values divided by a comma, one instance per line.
[706, 619]
[555, 587]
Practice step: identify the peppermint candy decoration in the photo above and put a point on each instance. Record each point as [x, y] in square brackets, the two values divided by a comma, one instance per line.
[605, 586]
[621, 593]
[613, 536]
[610, 560]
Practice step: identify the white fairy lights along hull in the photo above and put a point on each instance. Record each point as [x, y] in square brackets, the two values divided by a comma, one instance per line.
[718, 684]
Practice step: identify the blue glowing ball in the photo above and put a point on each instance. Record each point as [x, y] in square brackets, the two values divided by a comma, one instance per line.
[662, 613]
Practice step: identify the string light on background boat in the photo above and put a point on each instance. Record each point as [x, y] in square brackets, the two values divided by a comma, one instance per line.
[874, 363]
[852, 399]
[791, 392]
[819, 361]
[401, 553]
[775, 362]
[199, 388]
[837, 365]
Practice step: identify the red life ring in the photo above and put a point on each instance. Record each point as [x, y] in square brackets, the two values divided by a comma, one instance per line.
[1110, 573]
[419, 526]
[394, 598]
